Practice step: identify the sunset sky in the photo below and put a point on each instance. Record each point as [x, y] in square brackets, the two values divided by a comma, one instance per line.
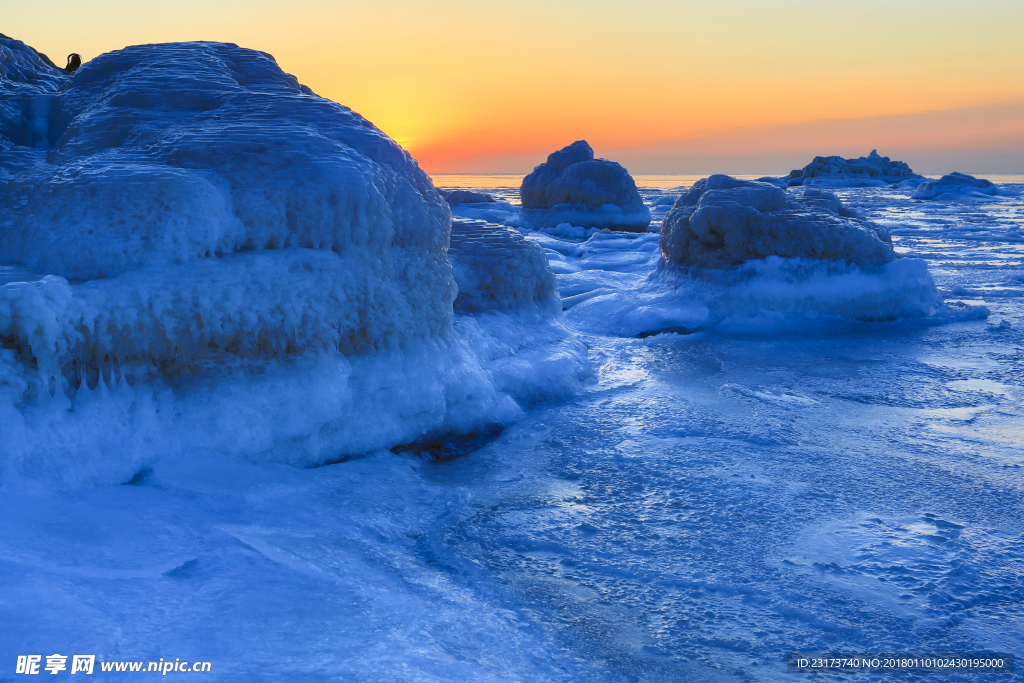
[661, 85]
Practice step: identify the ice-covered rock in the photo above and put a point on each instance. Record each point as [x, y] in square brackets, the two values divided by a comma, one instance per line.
[955, 186]
[772, 180]
[468, 197]
[574, 187]
[497, 269]
[835, 171]
[723, 221]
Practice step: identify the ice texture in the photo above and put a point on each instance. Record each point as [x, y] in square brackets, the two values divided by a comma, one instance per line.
[573, 187]
[835, 171]
[497, 269]
[723, 221]
[955, 185]
[28, 86]
[178, 219]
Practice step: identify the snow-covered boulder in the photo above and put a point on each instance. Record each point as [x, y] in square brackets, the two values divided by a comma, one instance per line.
[955, 186]
[193, 200]
[723, 221]
[835, 171]
[497, 269]
[574, 187]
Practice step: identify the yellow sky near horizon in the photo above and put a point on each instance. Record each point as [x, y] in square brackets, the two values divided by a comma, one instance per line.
[459, 83]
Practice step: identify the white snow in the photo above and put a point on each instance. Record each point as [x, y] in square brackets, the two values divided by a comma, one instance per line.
[573, 187]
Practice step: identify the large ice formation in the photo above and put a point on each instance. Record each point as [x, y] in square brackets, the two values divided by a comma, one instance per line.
[953, 186]
[255, 219]
[574, 187]
[177, 213]
[835, 171]
[723, 221]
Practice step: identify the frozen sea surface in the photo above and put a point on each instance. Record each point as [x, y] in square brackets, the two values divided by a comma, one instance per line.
[711, 501]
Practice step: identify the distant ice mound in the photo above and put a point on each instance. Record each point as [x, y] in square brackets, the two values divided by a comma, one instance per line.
[870, 171]
[199, 253]
[573, 187]
[955, 186]
[772, 180]
[497, 269]
[468, 197]
[723, 221]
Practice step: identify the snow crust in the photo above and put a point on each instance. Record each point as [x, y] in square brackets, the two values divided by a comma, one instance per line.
[573, 187]
[723, 221]
[835, 171]
[955, 186]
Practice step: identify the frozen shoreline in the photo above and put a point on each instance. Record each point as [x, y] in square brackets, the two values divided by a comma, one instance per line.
[277, 411]
[710, 500]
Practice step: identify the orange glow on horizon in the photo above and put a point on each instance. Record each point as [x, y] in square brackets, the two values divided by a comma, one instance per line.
[492, 86]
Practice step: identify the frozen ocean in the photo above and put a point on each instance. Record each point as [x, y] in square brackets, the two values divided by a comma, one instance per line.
[654, 474]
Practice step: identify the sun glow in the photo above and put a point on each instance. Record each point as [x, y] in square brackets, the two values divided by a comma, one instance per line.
[494, 86]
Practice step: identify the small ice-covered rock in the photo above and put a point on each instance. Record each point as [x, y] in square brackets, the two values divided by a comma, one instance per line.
[496, 268]
[835, 171]
[772, 180]
[573, 187]
[723, 221]
[955, 186]
[468, 197]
